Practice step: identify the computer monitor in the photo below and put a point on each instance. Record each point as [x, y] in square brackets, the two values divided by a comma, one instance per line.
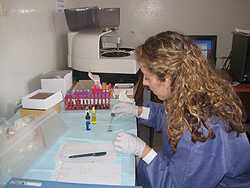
[207, 43]
[240, 58]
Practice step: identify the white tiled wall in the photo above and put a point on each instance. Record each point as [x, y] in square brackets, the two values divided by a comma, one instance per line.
[32, 41]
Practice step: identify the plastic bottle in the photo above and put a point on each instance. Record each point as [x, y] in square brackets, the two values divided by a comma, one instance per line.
[87, 121]
[93, 116]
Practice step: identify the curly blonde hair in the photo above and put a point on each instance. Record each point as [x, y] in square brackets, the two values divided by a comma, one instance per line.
[198, 92]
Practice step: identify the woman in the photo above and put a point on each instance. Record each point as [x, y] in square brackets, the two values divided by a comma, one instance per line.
[204, 140]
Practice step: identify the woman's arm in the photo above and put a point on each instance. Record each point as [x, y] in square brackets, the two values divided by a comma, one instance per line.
[196, 165]
[156, 117]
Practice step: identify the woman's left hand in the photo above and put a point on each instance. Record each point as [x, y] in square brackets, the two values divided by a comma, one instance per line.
[129, 143]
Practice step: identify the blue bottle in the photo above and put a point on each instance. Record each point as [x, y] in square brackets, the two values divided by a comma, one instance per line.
[87, 121]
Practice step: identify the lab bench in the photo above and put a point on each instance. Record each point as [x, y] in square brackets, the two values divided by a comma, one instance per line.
[34, 149]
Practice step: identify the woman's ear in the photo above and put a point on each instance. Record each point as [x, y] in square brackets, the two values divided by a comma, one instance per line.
[168, 81]
[167, 78]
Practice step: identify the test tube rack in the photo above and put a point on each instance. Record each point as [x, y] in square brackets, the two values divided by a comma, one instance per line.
[84, 99]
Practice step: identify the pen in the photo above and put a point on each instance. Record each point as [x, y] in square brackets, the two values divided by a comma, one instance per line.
[96, 154]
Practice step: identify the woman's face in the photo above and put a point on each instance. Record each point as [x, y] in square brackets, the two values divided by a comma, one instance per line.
[162, 89]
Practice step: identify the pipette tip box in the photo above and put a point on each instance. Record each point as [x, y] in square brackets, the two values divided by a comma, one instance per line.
[41, 99]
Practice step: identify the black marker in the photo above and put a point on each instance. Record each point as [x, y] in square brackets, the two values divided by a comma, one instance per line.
[96, 154]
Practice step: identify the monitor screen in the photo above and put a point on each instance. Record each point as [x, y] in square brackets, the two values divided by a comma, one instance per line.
[207, 43]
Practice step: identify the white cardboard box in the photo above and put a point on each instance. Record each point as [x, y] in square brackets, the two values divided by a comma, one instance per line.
[41, 99]
[57, 81]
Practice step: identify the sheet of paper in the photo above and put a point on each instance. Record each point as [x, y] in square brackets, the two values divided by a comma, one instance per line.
[92, 170]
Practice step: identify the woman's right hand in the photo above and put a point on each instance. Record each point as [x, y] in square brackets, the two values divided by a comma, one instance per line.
[125, 108]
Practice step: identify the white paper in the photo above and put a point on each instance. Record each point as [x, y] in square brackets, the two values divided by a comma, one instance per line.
[92, 170]
[90, 173]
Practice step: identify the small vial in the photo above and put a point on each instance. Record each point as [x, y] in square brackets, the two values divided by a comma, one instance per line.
[88, 97]
[93, 116]
[74, 101]
[87, 121]
[92, 100]
[99, 100]
[103, 99]
[84, 98]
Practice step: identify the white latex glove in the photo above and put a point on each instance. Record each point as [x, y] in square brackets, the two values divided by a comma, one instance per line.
[129, 143]
[125, 109]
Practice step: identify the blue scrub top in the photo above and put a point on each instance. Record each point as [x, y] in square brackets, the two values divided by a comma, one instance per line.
[222, 162]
